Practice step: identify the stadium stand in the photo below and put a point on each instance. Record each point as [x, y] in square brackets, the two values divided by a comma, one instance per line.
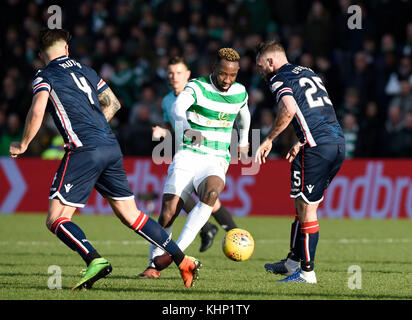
[368, 71]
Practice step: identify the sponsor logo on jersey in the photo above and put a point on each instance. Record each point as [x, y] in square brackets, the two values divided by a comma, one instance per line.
[68, 186]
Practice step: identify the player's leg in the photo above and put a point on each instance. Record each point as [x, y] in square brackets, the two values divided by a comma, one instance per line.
[307, 171]
[323, 163]
[294, 253]
[208, 176]
[71, 187]
[142, 224]
[171, 206]
[188, 205]
[291, 263]
[208, 191]
[177, 191]
[209, 230]
[114, 186]
[308, 237]
[223, 216]
[149, 229]
[59, 222]
[319, 165]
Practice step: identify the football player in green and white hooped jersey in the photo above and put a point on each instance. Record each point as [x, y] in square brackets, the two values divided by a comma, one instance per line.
[178, 75]
[204, 115]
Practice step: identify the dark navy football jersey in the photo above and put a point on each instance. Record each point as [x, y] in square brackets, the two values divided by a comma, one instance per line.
[315, 121]
[75, 108]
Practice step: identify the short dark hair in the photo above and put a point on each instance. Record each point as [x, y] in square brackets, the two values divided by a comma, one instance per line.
[48, 37]
[176, 60]
[267, 46]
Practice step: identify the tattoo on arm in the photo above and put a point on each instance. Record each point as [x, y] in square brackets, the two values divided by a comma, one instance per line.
[283, 118]
[108, 103]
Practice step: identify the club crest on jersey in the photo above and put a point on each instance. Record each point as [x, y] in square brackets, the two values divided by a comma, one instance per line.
[223, 116]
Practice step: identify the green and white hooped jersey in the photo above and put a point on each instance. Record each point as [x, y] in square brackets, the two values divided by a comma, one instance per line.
[213, 113]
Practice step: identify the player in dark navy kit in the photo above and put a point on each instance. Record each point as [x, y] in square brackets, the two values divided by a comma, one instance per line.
[316, 157]
[81, 105]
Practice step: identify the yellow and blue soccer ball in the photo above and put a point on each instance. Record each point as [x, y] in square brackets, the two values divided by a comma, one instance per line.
[238, 244]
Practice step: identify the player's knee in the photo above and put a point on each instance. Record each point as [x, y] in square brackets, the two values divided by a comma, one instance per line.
[48, 224]
[53, 223]
[210, 197]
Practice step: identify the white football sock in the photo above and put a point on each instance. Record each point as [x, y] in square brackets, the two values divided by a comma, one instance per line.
[309, 276]
[194, 222]
[155, 251]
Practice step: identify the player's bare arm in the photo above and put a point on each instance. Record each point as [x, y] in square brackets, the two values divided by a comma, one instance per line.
[286, 112]
[33, 123]
[108, 103]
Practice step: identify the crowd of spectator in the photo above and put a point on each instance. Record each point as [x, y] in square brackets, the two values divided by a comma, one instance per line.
[367, 71]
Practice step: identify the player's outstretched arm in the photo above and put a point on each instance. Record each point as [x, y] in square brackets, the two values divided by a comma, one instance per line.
[33, 123]
[108, 103]
[286, 112]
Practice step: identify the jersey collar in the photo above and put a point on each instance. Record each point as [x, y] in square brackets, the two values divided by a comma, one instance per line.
[283, 67]
[58, 59]
[279, 70]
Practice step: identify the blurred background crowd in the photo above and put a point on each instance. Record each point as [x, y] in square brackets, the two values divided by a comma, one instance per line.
[367, 71]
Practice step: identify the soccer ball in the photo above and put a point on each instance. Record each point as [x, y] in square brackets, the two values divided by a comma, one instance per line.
[238, 244]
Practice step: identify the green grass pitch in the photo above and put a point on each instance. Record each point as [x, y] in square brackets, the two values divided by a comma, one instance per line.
[380, 248]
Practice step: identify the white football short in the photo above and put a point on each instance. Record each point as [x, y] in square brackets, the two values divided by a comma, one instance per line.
[189, 169]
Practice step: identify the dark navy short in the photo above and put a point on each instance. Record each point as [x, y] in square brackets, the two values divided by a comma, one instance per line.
[313, 169]
[86, 168]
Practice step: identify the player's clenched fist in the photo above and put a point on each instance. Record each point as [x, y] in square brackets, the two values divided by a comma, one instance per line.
[158, 132]
[16, 148]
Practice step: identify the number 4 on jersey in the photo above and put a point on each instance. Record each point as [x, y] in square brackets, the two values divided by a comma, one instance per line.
[83, 85]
